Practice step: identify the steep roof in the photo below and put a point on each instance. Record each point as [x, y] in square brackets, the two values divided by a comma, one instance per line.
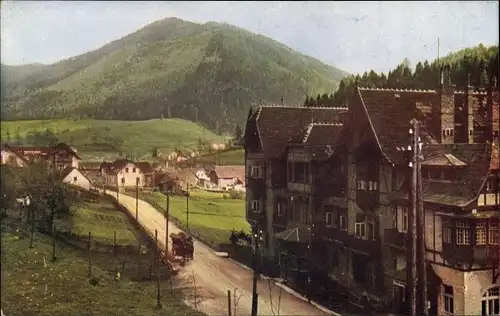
[119, 164]
[320, 139]
[278, 125]
[6, 147]
[45, 151]
[470, 177]
[227, 172]
[66, 171]
[390, 112]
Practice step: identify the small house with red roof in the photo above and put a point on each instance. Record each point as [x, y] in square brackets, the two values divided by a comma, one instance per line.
[127, 173]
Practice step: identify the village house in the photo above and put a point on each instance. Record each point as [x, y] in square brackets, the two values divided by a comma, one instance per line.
[335, 182]
[226, 177]
[12, 157]
[75, 177]
[125, 173]
[61, 154]
[176, 181]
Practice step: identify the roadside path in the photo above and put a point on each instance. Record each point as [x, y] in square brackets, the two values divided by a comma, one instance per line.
[214, 275]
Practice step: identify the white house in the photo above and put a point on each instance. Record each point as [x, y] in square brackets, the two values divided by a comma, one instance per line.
[125, 173]
[12, 157]
[74, 177]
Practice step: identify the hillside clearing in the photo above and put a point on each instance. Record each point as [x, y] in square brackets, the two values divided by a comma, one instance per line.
[97, 139]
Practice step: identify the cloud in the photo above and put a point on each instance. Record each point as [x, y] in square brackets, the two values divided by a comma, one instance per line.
[354, 36]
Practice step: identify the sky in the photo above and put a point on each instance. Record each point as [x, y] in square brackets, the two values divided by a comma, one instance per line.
[353, 36]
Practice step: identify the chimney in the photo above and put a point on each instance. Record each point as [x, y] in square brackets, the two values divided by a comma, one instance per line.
[493, 110]
[446, 110]
[469, 109]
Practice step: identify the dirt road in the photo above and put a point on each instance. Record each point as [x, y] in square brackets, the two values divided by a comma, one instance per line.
[214, 275]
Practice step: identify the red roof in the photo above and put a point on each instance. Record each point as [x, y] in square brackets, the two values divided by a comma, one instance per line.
[276, 126]
[230, 172]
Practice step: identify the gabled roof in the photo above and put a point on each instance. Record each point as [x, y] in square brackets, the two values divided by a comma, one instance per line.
[442, 160]
[320, 139]
[390, 111]
[276, 126]
[295, 235]
[45, 151]
[230, 172]
[66, 171]
[6, 147]
[119, 164]
[470, 178]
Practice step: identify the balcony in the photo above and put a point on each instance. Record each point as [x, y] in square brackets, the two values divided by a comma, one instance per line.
[368, 200]
[354, 243]
[483, 255]
[395, 238]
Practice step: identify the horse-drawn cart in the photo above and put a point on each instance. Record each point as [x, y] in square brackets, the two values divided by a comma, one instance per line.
[182, 246]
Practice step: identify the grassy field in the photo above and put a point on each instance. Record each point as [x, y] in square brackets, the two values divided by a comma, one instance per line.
[33, 285]
[97, 139]
[230, 157]
[102, 219]
[210, 214]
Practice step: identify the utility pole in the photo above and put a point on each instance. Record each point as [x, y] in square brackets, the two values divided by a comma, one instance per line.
[422, 260]
[167, 215]
[187, 207]
[53, 210]
[411, 271]
[309, 263]
[137, 199]
[256, 260]
[157, 259]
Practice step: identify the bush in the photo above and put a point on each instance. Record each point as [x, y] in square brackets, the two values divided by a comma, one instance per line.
[236, 195]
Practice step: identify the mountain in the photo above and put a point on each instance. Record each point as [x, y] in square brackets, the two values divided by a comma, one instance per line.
[207, 73]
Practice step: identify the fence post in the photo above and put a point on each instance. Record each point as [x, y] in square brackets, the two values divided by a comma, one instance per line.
[157, 259]
[229, 302]
[114, 244]
[139, 260]
[90, 253]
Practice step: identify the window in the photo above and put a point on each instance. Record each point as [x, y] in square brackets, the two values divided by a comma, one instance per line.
[395, 218]
[255, 206]
[280, 209]
[490, 302]
[74, 179]
[362, 185]
[494, 233]
[446, 234]
[255, 172]
[360, 230]
[463, 232]
[404, 224]
[329, 221]
[126, 170]
[123, 180]
[133, 170]
[343, 221]
[305, 214]
[481, 232]
[448, 299]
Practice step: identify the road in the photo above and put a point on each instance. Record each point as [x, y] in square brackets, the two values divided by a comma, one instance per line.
[214, 275]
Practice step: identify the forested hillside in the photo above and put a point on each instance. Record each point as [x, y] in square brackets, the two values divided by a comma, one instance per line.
[209, 74]
[477, 61]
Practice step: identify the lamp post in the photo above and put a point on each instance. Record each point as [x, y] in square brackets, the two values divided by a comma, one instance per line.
[256, 259]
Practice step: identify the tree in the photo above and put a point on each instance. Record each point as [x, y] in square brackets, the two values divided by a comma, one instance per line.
[238, 134]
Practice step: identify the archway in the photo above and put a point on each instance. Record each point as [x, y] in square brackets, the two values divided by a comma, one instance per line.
[490, 301]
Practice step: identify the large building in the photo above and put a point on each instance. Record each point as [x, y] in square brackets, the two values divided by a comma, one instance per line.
[329, 188]
[62, 155]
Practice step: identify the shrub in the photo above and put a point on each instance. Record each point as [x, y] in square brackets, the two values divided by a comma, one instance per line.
[236, 195]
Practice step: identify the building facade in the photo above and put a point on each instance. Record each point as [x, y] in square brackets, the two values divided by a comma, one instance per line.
[329, 190]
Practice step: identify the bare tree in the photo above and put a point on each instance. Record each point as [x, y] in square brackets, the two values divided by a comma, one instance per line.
[195, 294]
[236, 300]
[275, 308]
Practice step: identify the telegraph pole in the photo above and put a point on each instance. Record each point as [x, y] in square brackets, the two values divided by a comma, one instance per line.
[53, 228]
[411, 271]
[309, 265]
[187, 207]
[256, 260]
[167, 215]
[137, 199]
[422, 260]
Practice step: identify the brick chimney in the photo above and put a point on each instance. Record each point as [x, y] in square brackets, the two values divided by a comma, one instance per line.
[469, 109]
[446, 108]
[493, 110]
